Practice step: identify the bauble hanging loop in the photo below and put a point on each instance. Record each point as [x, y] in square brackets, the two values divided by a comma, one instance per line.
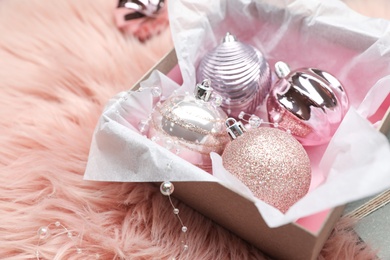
[203, 90]
[310, 102]
[234, 128]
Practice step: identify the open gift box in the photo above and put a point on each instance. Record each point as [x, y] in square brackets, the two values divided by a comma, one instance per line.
[352, 166]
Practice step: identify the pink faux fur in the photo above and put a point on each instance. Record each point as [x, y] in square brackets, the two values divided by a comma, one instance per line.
[60, 62]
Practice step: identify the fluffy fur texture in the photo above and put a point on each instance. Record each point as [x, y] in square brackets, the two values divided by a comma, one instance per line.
[343, 243]
[372, 8]
[60, 62]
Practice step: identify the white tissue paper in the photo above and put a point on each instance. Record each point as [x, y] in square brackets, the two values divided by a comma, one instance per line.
[303, 33]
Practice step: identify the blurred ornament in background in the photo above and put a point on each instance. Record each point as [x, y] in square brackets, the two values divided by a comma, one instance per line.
[141, 18]
[148, 8]
[270, 162]
[310, 102]
[191, 126]
[239, 73]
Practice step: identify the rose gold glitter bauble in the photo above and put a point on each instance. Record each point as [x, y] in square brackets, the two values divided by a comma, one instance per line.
[272, 164]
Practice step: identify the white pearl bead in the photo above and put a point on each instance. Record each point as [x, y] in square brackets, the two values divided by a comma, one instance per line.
[167, 188]
[156, 92]
[177, 150]
[218, 101]
[155, 138]
[143, 125]
[255, 121]
[168, 144]
[43, 232]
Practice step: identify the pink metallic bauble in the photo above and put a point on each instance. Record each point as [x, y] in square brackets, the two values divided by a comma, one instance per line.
[239, 73]
[190, 126]
[270, 162]
[311, 103]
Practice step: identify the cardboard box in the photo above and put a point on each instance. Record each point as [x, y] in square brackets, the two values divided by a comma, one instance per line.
[305, 238]
[301, 240]
[385, 124]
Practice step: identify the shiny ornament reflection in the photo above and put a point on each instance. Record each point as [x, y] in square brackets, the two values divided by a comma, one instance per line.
[239, 73]
[270, 162]
[149, 8]
[310, 102]
[191, 126]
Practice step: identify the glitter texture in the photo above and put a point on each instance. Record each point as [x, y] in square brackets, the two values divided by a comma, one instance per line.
[296, 126]
[273, 165]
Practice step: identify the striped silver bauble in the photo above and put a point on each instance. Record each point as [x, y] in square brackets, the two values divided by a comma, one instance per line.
[239, 73]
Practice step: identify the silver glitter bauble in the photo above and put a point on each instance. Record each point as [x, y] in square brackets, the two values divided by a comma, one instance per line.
[270, 162]
[239, 73]
[190, 126]
[311, 103]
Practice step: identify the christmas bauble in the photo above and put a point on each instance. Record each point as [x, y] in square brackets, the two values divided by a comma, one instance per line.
[141, 18]
[239, 73]
[191, 126]
[310, 102]
[149, 8]
[270, 162]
